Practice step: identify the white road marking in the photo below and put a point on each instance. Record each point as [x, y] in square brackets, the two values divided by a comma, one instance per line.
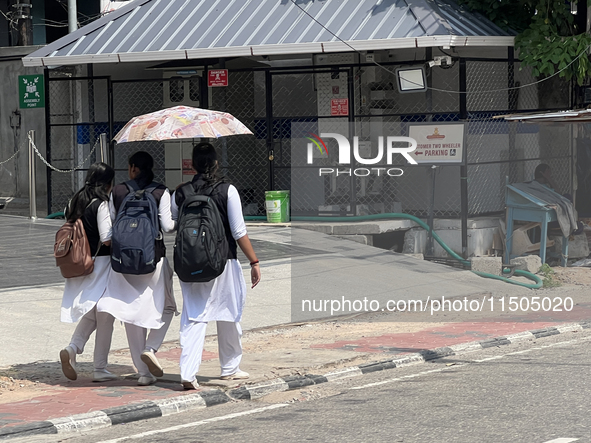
[418, 374]
[194, 424]
[562, 440]
[497, 357]
[537, 348]
[521, 352]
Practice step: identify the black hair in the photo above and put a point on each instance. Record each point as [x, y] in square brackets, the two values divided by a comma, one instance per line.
[145, 163]
[540, 169]
[97, 185]
[205, 162]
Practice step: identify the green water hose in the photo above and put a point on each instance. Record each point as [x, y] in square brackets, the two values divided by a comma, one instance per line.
[538, 281]
[56, 215]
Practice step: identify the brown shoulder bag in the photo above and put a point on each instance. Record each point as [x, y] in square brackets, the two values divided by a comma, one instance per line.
[72, 250]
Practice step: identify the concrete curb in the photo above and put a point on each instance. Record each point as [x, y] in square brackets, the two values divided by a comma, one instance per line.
[169, 406]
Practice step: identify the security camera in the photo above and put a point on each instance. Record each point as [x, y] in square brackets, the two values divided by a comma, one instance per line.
[446, 61]
[443, 61]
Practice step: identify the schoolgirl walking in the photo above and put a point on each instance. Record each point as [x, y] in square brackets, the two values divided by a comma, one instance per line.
[222, 298]
[81, 294]
[140, 293]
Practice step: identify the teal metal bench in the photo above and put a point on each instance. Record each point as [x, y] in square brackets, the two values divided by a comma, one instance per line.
[525, 207]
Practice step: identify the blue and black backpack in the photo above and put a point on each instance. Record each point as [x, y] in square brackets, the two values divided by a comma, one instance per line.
[135, 231]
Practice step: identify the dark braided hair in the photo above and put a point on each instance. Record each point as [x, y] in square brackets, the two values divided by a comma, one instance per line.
[97, 185]
[205, 162]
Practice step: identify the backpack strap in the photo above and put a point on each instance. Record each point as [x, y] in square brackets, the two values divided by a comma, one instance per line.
[87, 206]
[211, 188]
[187, 189]
[132, 186]
[91, 202]
[151, 187]
[99, 242]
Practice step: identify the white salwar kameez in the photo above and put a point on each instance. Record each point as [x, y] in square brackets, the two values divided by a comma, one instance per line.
[142, 301]
[139, 299]
[220, 300]
[81, 295]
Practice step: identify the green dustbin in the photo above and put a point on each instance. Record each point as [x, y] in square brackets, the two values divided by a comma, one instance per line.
[277, 205]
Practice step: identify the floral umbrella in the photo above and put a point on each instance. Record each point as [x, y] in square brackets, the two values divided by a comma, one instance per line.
[181, 122]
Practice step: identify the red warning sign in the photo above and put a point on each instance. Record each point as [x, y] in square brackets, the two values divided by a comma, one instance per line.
[217, 77]
[339, 106]
[188, 167]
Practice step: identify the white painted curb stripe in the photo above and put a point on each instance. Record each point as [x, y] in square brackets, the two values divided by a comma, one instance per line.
[81, 422]
[344, 373]
[174, 405]
[260, 390]
[195, 424]
[466, 347]
[411, 359]
[521, 336]
[100, 419]
[569, 328]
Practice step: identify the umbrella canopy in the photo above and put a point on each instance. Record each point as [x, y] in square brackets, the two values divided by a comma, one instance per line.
[181, 122]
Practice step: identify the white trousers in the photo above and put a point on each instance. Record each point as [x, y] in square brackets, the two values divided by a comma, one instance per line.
[138, 342]
[103, 323]
[193, 341]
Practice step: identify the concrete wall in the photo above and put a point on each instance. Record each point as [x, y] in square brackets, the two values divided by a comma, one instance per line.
[14, 174]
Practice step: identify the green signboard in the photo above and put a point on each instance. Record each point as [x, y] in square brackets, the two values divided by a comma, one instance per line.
[31, 91]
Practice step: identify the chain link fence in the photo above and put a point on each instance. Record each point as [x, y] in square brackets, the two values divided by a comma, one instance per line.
[133, 98]
[245, 159]
[284, 107]
[78, 114]
[382, 110]
[497, 148]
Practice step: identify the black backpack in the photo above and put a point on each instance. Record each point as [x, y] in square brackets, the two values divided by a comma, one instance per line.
[135, 231]
[201, 246]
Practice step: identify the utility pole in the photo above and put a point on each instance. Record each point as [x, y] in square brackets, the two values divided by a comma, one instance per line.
[24, 19]
[72, 16]
[581, 20]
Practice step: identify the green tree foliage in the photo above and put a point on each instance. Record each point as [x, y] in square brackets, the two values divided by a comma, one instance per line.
[549, 39]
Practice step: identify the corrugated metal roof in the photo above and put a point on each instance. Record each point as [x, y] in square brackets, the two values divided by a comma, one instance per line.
[149, 30]
[572, 116]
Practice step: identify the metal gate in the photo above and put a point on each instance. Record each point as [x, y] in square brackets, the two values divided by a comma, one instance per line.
[301, 106]
[77, 111]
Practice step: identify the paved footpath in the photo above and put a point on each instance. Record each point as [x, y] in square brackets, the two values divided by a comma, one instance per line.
[278, 359]
[281, 351]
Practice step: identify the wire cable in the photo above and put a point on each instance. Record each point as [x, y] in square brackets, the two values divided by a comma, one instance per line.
[438, 89]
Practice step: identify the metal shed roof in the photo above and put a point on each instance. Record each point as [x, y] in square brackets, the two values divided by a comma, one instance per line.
[157, 30]
[572, 116]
